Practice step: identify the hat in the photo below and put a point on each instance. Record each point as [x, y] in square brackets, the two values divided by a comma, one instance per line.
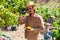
[31, 4]
[53, 17]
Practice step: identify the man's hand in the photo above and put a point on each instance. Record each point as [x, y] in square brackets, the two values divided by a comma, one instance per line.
[30, 29]
[36, 31]
[21, 18]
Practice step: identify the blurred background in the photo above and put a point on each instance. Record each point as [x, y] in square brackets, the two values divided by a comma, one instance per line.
[10, 10]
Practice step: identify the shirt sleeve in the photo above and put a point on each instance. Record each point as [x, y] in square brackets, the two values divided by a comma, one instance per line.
[41, 21]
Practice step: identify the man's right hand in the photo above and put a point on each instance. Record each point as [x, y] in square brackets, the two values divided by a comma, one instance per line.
[21, 18]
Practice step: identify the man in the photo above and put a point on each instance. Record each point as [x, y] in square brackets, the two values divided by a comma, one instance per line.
[34, 21]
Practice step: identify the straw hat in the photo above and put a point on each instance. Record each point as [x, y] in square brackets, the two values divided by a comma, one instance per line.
[31, 4]
[53, 17]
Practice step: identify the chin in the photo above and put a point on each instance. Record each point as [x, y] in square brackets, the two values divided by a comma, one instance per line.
[30, 14]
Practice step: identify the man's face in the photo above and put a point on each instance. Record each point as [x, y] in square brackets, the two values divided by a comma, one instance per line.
[31, 10]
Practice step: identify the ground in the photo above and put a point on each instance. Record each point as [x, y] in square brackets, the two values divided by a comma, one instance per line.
[16, 35]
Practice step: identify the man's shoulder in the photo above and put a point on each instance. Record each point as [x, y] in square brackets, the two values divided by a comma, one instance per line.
[39, 16]
[27, 16]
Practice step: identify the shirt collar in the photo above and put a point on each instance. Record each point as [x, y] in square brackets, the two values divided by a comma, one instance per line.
[34, 15]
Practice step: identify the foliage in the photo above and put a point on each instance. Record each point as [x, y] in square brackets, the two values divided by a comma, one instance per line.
[10, 10]
[8, 19]
[46, 12]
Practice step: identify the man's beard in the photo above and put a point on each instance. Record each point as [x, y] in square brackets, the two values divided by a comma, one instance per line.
[30, 14]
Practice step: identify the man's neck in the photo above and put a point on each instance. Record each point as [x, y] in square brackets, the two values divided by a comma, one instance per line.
[32, 15]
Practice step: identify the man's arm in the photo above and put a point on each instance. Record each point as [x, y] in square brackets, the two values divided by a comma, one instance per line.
[21, 20]
[41, 25]
[42, 22]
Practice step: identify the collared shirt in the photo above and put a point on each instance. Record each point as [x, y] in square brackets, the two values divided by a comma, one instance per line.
[35, 21]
